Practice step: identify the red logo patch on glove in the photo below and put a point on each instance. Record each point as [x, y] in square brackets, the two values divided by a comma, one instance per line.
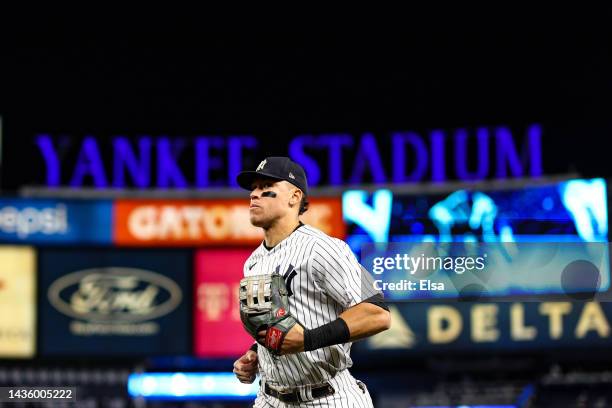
[273, 338]
[281, 312]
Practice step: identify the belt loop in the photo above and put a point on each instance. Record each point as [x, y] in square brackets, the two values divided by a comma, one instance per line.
[306, 393]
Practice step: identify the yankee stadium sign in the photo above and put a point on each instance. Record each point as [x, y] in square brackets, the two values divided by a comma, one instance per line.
[493, 152]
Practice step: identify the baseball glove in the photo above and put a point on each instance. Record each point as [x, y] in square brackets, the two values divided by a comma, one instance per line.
[264, 305]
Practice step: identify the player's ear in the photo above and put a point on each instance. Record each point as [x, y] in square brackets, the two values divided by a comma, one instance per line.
[296, 197]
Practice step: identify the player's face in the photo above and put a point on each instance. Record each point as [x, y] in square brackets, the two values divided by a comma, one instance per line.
[269, 201]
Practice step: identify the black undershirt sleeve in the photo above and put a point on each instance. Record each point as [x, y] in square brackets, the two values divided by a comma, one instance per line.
[377, 300]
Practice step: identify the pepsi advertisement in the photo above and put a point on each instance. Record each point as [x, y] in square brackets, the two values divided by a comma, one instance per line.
[96, 302]
[60, 222]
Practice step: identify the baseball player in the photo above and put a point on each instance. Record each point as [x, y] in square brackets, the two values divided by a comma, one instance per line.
[304, 299]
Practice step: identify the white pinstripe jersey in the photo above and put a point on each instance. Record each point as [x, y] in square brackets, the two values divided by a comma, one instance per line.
[324, 279]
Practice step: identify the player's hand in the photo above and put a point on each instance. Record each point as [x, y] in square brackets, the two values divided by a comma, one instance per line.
[293, 342]
[246, 367]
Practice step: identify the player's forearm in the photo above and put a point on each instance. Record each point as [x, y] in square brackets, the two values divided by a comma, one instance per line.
[362, 320]
[366, 319]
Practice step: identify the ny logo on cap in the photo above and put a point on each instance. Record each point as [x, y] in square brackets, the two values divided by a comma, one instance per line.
[261, 165]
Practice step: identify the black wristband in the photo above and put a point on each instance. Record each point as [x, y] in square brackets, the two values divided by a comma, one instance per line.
[335, 332]
[253, 347]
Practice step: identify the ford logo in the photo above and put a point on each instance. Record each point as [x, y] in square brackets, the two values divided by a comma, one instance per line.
[114, 294]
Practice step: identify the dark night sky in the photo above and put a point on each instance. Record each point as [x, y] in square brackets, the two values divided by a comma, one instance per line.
[278, 85]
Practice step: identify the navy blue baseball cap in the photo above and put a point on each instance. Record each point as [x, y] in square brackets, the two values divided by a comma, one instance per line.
[278, 168]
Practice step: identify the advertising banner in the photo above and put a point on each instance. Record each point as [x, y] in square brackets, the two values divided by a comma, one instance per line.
[56, 221]
[17, 302]
[442, 327]
[218, 331]
[207, 222]
[114, 302]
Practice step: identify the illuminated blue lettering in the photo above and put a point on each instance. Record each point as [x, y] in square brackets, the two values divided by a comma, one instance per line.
[368, 156]
[205, 161]
[409, 157]
[235, 145]
[296, 152]
[399, 157]
[89, 162]
[168, 171]
[52, 163]
[124, 157]
[461, 138]
[438, 160]
[507, 155]
[335, 143]
[534, 137]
